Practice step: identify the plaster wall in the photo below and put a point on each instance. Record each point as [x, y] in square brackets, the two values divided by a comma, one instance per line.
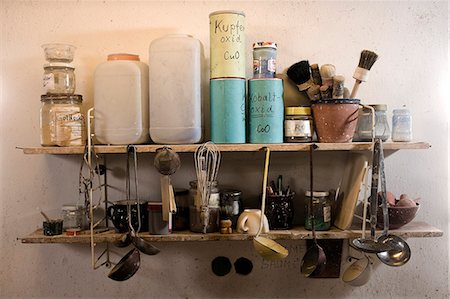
[411, 38]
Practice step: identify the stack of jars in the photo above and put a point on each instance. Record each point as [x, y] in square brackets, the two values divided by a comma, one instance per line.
[61, 119]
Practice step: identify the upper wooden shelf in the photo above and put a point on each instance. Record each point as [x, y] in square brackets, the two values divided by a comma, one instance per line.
[247, 147]
[411, 230]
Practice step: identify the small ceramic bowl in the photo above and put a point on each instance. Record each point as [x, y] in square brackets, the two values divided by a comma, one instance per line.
[398, 216]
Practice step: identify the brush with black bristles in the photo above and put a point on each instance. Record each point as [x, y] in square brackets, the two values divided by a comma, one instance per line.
[300, 73]
[361, 74]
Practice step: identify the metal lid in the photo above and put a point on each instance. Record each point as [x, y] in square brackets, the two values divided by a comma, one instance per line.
[62, 97]
[59, 65]
[317, 193]
[69, 207]
[337, 101]
[298, 110]
[379, 107]
[233, 12]
[259, 45]
[123, 56]
[230, 192]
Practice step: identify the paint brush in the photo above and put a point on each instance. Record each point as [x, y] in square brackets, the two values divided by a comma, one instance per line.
[327, 72]
[300, 74]
[361, 74]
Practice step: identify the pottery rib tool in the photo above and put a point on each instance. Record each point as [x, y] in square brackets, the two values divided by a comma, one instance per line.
[300, 73]
[361, 74]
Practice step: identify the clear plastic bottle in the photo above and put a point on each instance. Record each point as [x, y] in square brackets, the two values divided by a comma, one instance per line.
[401, 125]
[121, 100]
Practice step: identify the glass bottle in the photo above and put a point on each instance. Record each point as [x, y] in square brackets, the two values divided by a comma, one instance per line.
[364, 127]
[321, 210]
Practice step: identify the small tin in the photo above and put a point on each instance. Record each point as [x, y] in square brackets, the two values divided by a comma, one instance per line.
[227, 98]
[266, 110]
[227, 44]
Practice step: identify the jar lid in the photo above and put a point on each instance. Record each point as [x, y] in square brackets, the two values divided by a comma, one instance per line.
[402, 111]
[59, 65]
[337, 101]
[379, 107]
[229, 192]
[78, 98]
[317, 193]
[130, 201]
[259, 45]
[234, 12]
[298, 110]
[123, 56]
[69, 207]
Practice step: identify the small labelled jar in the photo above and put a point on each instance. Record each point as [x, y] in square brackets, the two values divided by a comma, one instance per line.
[62, 120]
[321, 209]
[364, 127]
[59, 78]
[298, 124]
[401, 125]
[264, 59]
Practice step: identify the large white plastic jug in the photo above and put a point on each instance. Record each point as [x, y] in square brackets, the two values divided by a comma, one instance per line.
[121, 100]
[175, 63]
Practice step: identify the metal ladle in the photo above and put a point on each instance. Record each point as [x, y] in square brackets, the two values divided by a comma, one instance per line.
[401, 253]
[314, 260]
[267, 248]
[143, 246]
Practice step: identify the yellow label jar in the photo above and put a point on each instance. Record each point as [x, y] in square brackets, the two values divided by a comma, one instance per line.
[62, 120]
[298, 124]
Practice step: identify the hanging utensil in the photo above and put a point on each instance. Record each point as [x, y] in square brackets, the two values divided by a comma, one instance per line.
[372, 245]
[167, 162]
[314, 260]
[207, 162]
[143, 246]
[267, 248]
[401, 253]
[127, 266]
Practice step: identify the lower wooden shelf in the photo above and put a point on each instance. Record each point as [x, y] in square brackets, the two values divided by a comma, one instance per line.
[411, 230]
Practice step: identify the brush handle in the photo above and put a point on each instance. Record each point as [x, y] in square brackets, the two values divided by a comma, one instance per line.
[355, 89]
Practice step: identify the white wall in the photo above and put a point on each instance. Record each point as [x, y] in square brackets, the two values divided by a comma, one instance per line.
[411, 39]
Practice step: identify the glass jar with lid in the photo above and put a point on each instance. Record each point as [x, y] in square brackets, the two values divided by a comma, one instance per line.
[73, 216]
[62, 121]
[298, 124]
[59, 78]
[264, 59]
[364, 127]
[321, 209]
[401, 125]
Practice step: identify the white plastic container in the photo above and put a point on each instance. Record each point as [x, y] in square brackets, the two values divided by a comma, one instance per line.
[121, 100]
[175, 89]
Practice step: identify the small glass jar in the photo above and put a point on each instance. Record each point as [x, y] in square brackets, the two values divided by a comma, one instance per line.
[214, 196]
[180, 220]
[321, 210]
[401, 125]
[59, 78]
[73, 217]
[298, 124]
[61, 120]
[364, 127]
[264, 59]
[230, 205]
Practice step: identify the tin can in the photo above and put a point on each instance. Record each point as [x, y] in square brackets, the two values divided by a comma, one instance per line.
[266, 110]
[227, 44]
[227, 110]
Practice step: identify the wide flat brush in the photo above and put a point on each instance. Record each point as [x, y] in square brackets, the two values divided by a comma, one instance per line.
[361, 74]
[300, 74]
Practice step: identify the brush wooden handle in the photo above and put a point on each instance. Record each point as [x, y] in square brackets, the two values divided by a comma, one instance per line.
[355, 88]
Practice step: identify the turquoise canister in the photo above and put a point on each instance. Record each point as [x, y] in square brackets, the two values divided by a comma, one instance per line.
[266, 110]
[227, 98]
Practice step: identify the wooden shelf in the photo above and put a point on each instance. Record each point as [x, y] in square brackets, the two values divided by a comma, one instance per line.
[411, 230]
[247, 147]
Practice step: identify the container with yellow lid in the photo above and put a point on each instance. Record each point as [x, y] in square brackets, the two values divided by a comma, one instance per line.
[298, 124]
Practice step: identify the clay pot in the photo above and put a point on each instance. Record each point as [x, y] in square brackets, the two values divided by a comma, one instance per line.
[398, 216]
[335, 119]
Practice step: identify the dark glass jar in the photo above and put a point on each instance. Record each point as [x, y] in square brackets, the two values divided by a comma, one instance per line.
[321, 209]
[230, 205]
[280, 211]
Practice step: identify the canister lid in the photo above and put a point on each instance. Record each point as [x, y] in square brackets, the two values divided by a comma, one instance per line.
[298, 110]
[233, 12]
[123, 56]
[59, 65]
[337, 101]
[77, 98]
[259, 45]
[379, 107]
[230, 192]
[69, 207]
[317, 193]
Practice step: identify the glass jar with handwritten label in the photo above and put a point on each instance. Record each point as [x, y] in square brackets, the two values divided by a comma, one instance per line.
[298, 124]
[62, 121]
[321, 209]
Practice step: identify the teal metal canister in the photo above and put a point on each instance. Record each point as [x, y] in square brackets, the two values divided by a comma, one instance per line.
[227, 98]
[266, 110]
